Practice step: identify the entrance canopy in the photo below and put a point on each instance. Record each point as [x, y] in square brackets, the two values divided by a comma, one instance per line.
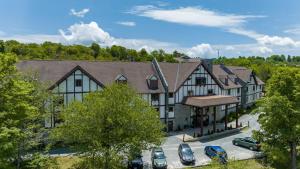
[206, 101]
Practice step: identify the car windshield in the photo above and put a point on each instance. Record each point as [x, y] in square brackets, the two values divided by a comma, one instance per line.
[187, 151]
[252, 140]
[221, 153]
[159, 155]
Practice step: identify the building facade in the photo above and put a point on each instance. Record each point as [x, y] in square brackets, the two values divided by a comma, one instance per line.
[193, 94]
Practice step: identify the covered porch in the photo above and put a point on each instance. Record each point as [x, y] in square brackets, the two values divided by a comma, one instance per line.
[206, 111]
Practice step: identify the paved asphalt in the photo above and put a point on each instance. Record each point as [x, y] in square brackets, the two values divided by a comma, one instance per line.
[171, 144]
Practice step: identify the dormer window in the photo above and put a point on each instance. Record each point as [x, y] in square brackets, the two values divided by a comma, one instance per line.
[121, 79]
[152, 82]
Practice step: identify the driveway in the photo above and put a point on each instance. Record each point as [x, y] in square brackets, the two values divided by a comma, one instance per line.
[171, 145]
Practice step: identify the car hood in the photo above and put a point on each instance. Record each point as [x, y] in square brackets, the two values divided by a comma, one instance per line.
[160, 161]
[188, 157]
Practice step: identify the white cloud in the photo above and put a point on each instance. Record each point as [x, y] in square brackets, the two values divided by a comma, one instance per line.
[191, 16]
[264, 50]
[278, 41]
[265, 39]
[33, 38]
[203, 50]
[85, 33]
[295, 30]
[241, 31]
[202, 17]
[126, 23]
[80, 14]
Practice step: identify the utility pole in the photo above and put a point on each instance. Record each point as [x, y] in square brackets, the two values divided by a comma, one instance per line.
[218, 53]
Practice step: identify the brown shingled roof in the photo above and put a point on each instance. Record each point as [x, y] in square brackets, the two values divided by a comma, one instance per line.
[219, 72]
[177, 73]
[104, 72]
[244, 74]
[205, 101]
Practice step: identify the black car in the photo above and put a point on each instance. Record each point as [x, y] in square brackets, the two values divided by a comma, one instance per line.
[137, 163]
[158, 158]
[186, 154]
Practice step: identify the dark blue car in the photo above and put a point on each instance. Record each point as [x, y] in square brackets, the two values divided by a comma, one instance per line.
[216, 152]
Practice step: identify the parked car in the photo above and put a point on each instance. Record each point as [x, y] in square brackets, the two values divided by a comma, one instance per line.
[247, 142]
[158, 158]
[216, 152]
[186, 154]
[136, 163]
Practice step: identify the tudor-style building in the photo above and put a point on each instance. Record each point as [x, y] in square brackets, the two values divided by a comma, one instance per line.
[192, 94]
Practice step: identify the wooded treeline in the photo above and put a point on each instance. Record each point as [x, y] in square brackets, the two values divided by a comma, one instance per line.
[263, 67]
[57, 51]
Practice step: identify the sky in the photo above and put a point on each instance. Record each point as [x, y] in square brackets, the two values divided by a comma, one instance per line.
[198, 28]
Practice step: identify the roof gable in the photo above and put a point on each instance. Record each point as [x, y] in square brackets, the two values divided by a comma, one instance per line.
[103, 72]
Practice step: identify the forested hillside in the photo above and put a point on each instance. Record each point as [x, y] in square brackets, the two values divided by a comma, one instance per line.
[57, 51]
[263, 67]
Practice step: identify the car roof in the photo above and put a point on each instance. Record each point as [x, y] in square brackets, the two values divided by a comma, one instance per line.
[217, 148]
[185, 145]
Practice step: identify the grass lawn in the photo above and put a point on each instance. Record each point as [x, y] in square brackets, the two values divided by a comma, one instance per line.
[67, 162]
[245, 164]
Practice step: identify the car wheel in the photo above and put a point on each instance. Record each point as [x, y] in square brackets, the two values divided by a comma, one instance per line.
[251, 148]
[235, 143]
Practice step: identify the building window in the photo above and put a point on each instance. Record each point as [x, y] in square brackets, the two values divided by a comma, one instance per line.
[121, 79]
[210, 92]
[253, 88]
[171, 95]
[171, 109]
[78, 83]
[200, 81]
[154, 97]
[229, 92]
[190, 93]
[153, 82]
[238, 90]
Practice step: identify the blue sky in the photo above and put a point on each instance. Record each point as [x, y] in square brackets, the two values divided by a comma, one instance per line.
[196, 27]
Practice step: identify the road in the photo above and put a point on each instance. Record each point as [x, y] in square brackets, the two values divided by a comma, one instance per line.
[170, 146]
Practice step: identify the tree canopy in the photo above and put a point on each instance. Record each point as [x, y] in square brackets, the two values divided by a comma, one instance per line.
[280, 117]
[57, 51]
[109, 126]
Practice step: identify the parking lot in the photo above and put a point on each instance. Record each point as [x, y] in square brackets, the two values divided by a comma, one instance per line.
[171, 144]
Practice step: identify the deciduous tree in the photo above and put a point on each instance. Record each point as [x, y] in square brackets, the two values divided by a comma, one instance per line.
[280, 115]
[113, 123]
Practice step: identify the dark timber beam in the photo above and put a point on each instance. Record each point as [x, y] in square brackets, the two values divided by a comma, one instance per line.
[201, 120]
[226, 113]
[237, 116]
[215, 114]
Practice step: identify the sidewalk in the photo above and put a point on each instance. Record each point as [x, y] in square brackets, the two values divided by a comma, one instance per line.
[192, 133]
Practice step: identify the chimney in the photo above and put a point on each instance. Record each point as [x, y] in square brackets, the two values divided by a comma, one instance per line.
[208, 64]
[236, 80]
[226, 81]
